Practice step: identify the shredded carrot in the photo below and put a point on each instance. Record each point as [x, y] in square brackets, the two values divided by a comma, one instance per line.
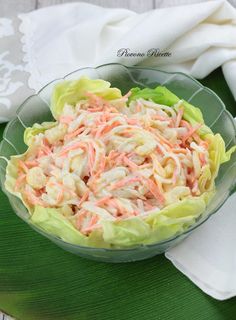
[19, 181]
[102, 164]
[148, 206]
[204, 144]
[138, 107]
[80, 218]
[160, 137]
[124, 182]
[59, 196]
[185, 124]
[126, 191]
[93, 221]
[179, 117]
[91, 156]
[43, 150]
[32, 199]
[180, 150]
[115, 204]
[95, 109]
[103, 201]
[175, 175]
[77, 145]
[91, 228]
[62, 188]
[119, 159]
[161, 118]
[132, 121]
[202, 158]
[66, 119]
[135, 213]
[195, 187]
[155, 190]
[133, 166]
[83, 198]
[31, 163]
[46, 143]
[23, 166]
[105, 129]
[112, 154]
[190, 133]
[74, 133]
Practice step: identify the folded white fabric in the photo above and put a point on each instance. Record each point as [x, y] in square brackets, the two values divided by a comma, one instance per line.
[59, 39]
[208, 256]
[200, 37]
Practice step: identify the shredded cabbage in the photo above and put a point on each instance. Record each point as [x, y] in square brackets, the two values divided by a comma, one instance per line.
[117, 170]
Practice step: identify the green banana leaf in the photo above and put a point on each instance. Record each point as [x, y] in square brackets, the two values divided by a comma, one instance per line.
[38, 280]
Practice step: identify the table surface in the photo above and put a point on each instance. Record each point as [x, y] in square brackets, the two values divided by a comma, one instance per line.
[13, 7]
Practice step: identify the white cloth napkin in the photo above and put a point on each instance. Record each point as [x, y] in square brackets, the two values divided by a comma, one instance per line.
[208, 256]
[200, 37]
[60, 39]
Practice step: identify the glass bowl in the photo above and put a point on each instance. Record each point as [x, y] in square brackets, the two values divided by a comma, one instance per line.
[37, 109]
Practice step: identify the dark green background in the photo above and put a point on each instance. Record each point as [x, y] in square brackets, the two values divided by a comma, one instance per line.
[40, 281]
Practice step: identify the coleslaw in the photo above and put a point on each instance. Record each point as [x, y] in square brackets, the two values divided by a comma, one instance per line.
[117, 170]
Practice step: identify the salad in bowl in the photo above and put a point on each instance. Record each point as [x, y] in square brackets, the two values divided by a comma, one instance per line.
[116, 171]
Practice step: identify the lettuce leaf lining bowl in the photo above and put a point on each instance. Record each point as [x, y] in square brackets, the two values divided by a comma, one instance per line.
[36, 109]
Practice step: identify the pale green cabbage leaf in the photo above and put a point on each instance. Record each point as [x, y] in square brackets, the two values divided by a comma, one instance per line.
[72, 91]
[31, 132]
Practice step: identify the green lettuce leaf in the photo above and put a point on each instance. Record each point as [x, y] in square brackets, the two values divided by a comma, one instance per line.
[55, 223]
[158, 226]
[127, 232]
[72, 91]
[12, 167]
[52, 221]
[11, 177]
[164, 96]
[31, 132]
[217, 155]
[175, 218]
[217, 152]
